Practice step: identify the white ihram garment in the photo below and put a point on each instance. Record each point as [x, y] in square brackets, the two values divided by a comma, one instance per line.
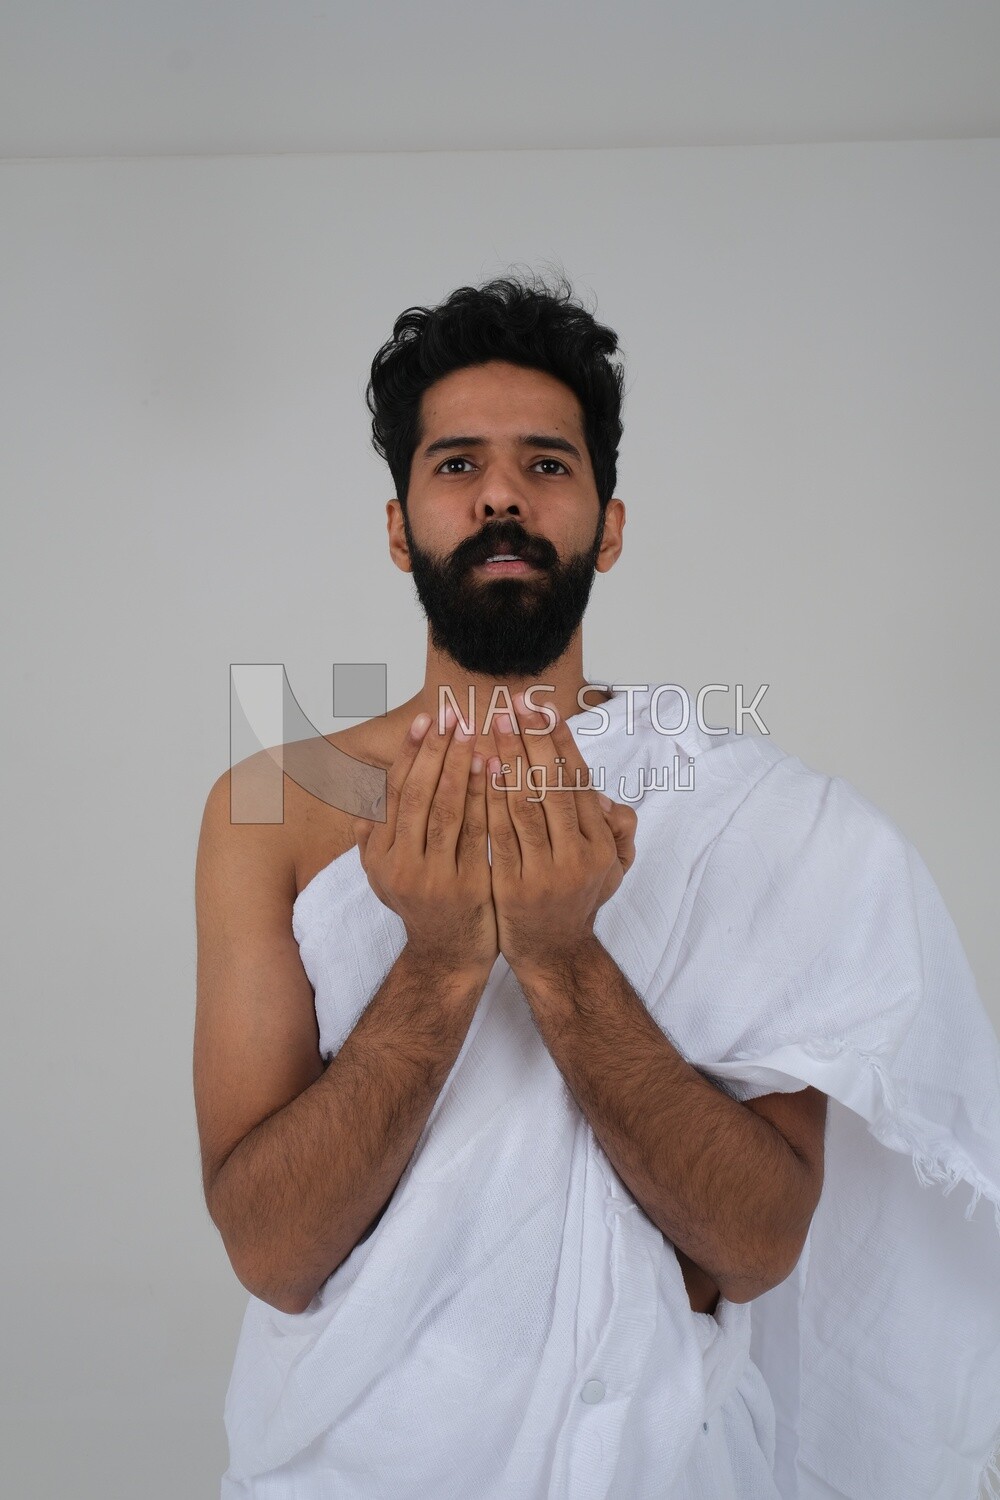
[516, 1328]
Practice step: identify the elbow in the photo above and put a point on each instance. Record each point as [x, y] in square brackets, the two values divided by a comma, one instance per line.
[263, 1254]
[292, 1303]
[261, 1282]
[257, 1271]
[745, 1289]
[746, 1285]
[284, 1295]
[778, 1249]
[749, 1288]
[283, 1298]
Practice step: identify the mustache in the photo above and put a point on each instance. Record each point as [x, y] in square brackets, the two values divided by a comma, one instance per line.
[503, 538]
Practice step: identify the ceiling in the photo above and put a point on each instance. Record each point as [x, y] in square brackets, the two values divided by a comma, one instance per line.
[83, 78]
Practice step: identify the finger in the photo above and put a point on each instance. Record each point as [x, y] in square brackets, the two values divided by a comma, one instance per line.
[546, 758]
[417, 791]
[527, 819]
[471, 847]
[505, 848]
[447, 811]
[399, 770]
[577, 774]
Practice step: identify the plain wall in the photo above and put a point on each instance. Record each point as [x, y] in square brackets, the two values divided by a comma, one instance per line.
[809, 467]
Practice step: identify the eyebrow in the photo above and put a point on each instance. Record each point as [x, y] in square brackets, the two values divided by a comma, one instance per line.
[532, 440]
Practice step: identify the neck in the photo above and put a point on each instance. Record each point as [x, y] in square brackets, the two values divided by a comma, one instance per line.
[557, 686]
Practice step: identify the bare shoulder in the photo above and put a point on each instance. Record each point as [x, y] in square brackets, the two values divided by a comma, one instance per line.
[256, 1043]
[239, 826]
[329, 780]
[288, 809]
[270, 823]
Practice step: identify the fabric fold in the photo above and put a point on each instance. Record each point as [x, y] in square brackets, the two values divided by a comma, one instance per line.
[516, 1324]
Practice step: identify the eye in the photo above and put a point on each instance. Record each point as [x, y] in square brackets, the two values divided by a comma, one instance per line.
[452, 461]
[444, 467]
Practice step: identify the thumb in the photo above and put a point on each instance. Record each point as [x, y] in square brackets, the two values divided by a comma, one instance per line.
[622, 821]
[361, 828]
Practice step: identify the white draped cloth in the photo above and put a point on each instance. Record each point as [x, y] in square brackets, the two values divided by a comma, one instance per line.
[516, 1326]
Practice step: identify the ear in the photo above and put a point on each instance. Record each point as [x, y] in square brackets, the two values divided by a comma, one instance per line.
[611, 541]
[398, 549]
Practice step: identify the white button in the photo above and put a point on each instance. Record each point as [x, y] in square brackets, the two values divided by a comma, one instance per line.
[592, 1391]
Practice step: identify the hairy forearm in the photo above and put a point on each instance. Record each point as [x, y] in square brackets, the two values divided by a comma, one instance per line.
[298, 1192]
[718, 1181]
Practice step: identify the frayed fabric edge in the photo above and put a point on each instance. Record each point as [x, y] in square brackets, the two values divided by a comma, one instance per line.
[989, 1480]
[936, 1164]
[941, 1167]
[945, 1168]
[933, 1172]
[930, 1172]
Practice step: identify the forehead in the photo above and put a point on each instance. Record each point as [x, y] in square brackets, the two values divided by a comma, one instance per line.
[500, 396]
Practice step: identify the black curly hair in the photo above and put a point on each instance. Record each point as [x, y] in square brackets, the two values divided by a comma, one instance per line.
[523, 321]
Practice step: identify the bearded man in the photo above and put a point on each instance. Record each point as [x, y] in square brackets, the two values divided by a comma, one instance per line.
[565, 1147]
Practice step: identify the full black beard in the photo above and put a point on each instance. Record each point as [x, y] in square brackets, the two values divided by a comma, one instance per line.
[513, 626]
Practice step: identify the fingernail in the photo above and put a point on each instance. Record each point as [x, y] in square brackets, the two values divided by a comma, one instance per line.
[604, 801]
[420, 725]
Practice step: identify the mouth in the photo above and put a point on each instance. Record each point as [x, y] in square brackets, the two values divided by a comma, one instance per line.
[506, 565]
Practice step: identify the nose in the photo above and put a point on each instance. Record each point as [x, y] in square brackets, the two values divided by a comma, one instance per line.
[499, 495]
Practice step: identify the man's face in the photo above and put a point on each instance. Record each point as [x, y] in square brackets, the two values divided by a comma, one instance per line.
[468, 501]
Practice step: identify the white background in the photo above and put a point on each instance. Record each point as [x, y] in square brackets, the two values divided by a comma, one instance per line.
[809, 467]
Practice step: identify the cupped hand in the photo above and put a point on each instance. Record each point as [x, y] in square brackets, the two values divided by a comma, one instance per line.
[558, 857]
[427, 862]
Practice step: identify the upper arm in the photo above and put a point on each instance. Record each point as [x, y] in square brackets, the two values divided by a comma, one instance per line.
[801, 1119]
[256, 1043]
